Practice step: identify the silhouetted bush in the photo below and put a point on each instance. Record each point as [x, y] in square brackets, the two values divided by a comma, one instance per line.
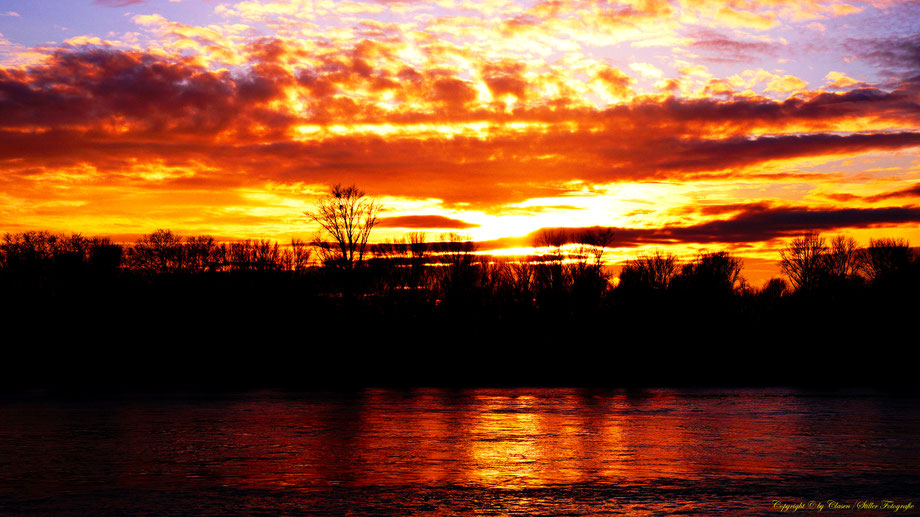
[774, 289]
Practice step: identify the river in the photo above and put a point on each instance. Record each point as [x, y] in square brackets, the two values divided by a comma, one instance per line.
[461, 452]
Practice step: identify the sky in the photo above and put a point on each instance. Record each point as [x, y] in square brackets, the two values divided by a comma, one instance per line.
[684, 125]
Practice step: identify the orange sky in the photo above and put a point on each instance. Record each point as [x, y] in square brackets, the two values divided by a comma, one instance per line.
[686, 125]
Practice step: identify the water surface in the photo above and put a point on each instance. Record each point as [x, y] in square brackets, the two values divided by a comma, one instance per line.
[445, 452]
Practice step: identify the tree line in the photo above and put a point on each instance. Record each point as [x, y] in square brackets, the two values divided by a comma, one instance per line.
[449, 267]
[161, 252]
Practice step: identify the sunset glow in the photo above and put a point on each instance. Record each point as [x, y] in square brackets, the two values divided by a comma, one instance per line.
[685, 124]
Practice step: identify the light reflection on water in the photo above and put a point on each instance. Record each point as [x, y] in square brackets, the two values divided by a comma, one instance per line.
[441, 452]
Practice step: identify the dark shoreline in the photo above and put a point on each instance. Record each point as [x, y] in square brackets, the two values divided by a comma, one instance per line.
[170, 351]
[87, 320]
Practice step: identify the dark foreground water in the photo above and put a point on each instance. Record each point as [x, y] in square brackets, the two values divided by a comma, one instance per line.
[449, 452]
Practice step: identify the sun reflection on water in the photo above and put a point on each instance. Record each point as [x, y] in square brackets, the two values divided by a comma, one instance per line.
[448, 452]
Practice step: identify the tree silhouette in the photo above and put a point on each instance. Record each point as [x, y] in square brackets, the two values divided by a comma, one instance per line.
[347, 216]
[571, 266]
[649, 271]
[774, 289]
[458, 275]
[552, 279]
[712, 274]
[844, 258]
[158, 252]
[402, 261]
[200, 253]
[300, 254]
[804, 261]
[105, 257]
[419, 252]
[589, 279]
[887, 260]
[42, 258]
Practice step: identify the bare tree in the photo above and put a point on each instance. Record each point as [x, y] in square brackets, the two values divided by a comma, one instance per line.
[551, 275]
[266, 255]
[200, 253]
[589, 279]
[804, 260]
[158, 252]
[240, 256]
[649, 271]
[347, 216]
[299, 255]
[419, 254]
[845, 257]
[458, 274]
[589, 256]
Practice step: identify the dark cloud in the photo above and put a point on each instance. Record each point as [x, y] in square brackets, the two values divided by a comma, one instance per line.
[759, 224]
[740, 151]
[908, 192]
[900, 53]
[900, 104]
[713, 210]
[424, 222]
[459, 170]
[913, 191]
[756, 223]
[94, 86]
